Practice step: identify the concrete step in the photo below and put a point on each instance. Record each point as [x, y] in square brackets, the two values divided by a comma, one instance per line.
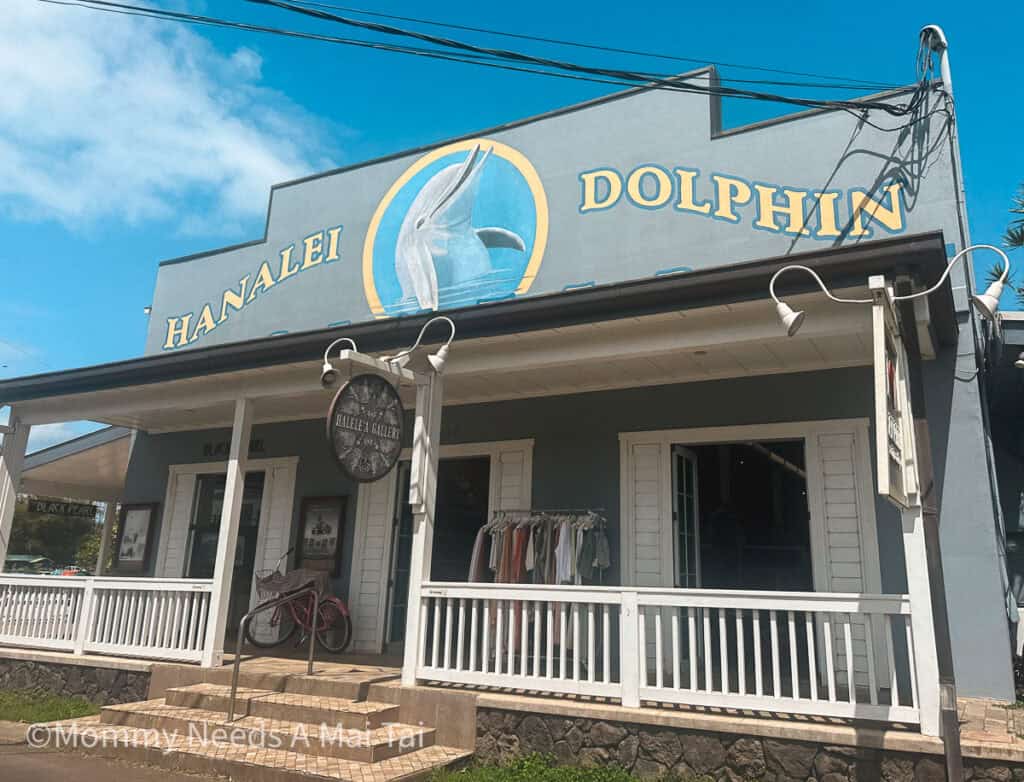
[286, 706]
[353, 685]
[366, 746]
[253, 764]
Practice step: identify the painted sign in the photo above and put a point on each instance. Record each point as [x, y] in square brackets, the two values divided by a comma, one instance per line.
[894, 421]
[637, 185]
[61, 508]
[364, 427]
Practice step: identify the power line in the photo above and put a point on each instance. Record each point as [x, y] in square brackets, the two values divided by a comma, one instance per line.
[590, 46]
[633, 76]
[497, 59]
[464, 57]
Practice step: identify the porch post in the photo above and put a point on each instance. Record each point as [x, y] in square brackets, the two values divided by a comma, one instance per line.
[109, 515]
[422, 497]
[213, 653]
[921, 621]
[12, 460]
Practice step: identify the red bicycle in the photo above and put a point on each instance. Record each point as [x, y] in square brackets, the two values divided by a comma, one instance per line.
[333, 624]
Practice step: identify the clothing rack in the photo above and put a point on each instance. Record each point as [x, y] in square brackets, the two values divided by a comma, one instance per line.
[584, 521]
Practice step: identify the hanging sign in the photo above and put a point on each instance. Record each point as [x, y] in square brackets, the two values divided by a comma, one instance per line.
[894, 421]
[364, 427]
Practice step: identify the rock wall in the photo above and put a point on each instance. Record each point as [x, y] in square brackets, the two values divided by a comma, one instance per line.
[650, 751]
[101, 686]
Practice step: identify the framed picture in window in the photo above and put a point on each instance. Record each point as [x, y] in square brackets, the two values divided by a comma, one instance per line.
[321, 528]
[134, 537]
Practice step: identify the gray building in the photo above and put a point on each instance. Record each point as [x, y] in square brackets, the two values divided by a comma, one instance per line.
[618, 357]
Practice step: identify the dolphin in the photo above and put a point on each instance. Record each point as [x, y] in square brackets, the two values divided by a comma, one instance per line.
[437, 243]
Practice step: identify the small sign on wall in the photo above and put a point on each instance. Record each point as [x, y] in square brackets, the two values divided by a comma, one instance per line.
[61, 508]
[895, 449]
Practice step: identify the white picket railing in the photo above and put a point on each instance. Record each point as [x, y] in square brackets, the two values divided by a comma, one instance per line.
[138, 617]
[765, 651]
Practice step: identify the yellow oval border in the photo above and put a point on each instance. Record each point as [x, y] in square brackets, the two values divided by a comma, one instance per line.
[513, 156]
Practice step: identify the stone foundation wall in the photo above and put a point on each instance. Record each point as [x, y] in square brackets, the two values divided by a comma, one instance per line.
[101, 686]
[649, 751]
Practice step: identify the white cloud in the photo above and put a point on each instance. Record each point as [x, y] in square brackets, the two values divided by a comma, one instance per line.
[105, 116]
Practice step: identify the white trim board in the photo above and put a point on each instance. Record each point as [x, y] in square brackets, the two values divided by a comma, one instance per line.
[646, 521]
[511, 486]
[185, 475]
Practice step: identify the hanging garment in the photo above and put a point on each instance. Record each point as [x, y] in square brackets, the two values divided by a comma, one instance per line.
[495, 556]
[531, 551]
[564, 553]
[476, 561]
[587, 551]
[602, 551]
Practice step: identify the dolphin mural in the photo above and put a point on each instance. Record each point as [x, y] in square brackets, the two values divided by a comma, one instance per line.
[437, 244]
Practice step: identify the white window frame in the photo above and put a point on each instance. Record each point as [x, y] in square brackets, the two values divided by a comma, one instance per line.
[807, 431]
[491, 449]
[214, 468]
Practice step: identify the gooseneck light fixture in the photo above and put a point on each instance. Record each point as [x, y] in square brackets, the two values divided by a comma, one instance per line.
[328, 374]
[987, 303]
[436, 360]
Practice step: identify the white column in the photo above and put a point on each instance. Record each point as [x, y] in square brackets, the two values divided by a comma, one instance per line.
[922, 625]
[12, 460]
[231, 512]
[422, 495]
[109, 515]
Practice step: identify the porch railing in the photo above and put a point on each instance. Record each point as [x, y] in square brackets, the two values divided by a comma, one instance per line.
[840, 655]
[138, 617]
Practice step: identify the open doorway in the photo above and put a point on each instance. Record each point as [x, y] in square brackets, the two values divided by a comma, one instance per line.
[204, 534]
[463, 493]
[741, 517]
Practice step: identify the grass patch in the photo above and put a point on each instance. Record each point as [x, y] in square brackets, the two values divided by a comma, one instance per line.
[538, 768]
[31, 707]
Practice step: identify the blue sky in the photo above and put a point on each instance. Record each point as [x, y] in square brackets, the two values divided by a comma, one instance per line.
[125, 142]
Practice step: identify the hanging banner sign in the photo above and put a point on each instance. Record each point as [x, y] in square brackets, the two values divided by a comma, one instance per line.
[61, 508]
[364, 427]
[894, 421]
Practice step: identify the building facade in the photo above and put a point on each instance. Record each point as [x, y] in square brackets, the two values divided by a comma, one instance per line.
[617, 358]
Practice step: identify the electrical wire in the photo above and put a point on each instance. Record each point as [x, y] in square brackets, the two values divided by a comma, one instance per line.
[497, 59]
[893, 109]
[600, 48]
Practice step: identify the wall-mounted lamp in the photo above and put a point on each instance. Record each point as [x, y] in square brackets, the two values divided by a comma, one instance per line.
[328, 374]
[437, 360]
[987, 303]
[1019, 363]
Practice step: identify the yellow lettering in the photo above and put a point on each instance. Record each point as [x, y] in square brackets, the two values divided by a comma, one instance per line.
[634, 186]
[730, 192]
[287, 270]
[177, 331]
[264, 280]
[591, 200]
[688, 193]
[232, 299]
[828, 214]
[889, 216]
[314, 250]
[793, 209]
[332, 243]
[204, 324]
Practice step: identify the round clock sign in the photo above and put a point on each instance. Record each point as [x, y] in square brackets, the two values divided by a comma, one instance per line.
[364, 427]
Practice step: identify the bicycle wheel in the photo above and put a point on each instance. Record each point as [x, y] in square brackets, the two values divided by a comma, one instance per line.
[334, 628]
[282, 628]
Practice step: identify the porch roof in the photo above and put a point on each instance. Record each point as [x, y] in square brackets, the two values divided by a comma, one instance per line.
[90, 467]
[572, 341]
